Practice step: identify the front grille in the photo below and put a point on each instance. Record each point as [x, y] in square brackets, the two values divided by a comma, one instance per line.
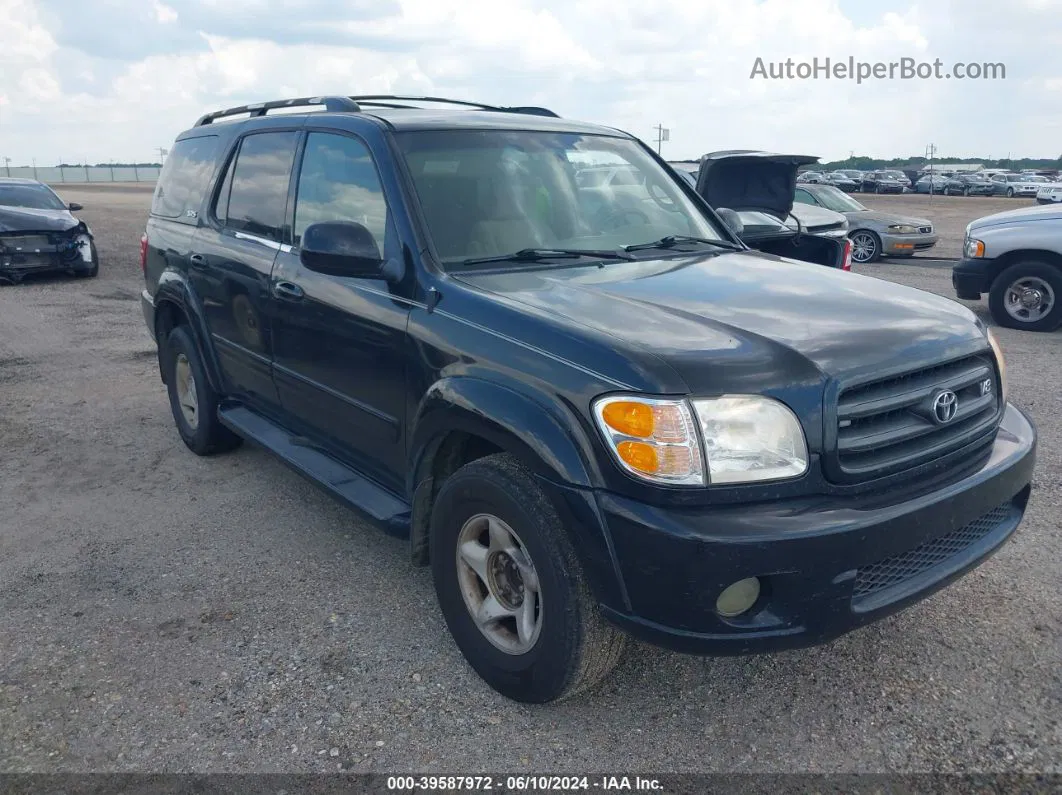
[892, 424]
[899, 568]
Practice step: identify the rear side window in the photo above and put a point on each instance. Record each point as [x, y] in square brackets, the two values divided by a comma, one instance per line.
[254, 192]
[184, 179]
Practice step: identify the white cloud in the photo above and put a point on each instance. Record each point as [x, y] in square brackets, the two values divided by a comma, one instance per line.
[66, 83]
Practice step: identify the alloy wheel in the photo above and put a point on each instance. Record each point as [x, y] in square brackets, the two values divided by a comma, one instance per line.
[187, 397]
[499, 584]
[864, 247]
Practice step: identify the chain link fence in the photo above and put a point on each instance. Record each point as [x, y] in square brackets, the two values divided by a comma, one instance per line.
[53, 175]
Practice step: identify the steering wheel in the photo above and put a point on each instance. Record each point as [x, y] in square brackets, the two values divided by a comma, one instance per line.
[614, 219]
[659, 195]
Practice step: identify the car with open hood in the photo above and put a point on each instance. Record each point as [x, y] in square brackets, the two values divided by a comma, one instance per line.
[39, 233]
[753, 190]
[874, 233]
[593, 413]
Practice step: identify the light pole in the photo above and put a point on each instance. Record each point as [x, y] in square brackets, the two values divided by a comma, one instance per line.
[662, 134]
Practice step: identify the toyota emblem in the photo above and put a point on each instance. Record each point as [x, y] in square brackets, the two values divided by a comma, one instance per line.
[945, 406]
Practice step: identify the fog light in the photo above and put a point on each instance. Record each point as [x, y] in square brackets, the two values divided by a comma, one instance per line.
[738, 598]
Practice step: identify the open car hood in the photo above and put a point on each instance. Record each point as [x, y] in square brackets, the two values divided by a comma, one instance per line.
[746, 179]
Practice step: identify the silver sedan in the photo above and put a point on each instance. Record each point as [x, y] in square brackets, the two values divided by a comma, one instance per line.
[873, 233]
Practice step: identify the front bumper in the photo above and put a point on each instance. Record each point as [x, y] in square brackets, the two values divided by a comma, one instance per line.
[907, 244]
[23, 255]
[828, 564]
[971, 278]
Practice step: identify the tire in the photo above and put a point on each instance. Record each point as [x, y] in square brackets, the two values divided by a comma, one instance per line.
[571, 648]
[95, 269]
[877, 188]
[1010, 193]
[1004, 298]
[867, 244]
[200, 429]
[965, 191]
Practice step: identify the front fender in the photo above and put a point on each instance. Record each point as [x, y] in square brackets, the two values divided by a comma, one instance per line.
[173, 289]
[540, 431]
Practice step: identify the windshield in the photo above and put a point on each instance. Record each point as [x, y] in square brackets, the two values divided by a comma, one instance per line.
[895, 174]
[33, 197]
[838, 200]
[487, 193]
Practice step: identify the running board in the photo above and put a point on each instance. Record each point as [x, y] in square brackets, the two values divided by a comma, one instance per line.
[345, 484]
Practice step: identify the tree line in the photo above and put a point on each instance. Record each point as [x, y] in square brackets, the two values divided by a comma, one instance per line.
[863, 163]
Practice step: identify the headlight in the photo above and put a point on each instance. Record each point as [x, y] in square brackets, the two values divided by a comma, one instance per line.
[653, 439]
[747, 438]
[974, 248]
[1000, 362]
[750, 438]
[904, 229]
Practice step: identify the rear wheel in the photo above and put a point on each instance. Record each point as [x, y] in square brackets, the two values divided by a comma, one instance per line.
[1028, 295]
[192, 400]
[511, 589]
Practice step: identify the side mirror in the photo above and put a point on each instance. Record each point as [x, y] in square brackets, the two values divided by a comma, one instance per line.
[340, 248]
[732, 220]
[74, 207]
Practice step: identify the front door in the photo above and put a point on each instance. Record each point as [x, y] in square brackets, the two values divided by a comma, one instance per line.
[233, 261]
[339, 342]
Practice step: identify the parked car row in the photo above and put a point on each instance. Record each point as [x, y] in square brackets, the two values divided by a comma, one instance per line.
[977, 183]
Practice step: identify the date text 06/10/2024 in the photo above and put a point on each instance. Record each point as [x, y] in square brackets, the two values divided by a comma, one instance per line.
[529, 783]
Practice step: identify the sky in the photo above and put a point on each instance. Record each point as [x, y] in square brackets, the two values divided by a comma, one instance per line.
[99, 80]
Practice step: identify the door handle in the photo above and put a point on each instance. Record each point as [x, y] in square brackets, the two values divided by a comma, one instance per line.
[288, 290]
[197, 260]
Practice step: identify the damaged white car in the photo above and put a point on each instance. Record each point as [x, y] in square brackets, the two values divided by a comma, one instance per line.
[39, 233]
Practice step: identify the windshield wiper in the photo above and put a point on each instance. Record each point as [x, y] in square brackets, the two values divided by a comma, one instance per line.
[539, 254]
[670, 241]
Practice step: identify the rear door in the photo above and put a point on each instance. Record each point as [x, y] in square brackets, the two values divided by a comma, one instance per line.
[234, 255]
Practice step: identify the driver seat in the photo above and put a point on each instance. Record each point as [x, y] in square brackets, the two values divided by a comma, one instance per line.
[508, 224]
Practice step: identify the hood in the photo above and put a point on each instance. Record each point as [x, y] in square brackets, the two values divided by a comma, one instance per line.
[1049, 212]
[747, 320]
[26, 219]
[877, 216]
[812, 217]
[743, 179]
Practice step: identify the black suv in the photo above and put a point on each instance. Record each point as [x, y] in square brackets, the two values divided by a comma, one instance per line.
[593, 411]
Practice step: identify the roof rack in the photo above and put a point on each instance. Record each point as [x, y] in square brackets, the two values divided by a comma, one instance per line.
[399, 101]
[331, 104]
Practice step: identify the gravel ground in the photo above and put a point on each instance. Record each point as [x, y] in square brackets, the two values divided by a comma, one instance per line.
[163, 612]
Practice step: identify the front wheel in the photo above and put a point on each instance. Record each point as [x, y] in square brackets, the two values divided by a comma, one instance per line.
[1028, 296]
[1010, 193]
[511, 589]
[865, 247]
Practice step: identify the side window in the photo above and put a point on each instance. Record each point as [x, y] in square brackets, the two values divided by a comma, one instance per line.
[185, 178]
[804, 197]
[338, 182]
[256, 186]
